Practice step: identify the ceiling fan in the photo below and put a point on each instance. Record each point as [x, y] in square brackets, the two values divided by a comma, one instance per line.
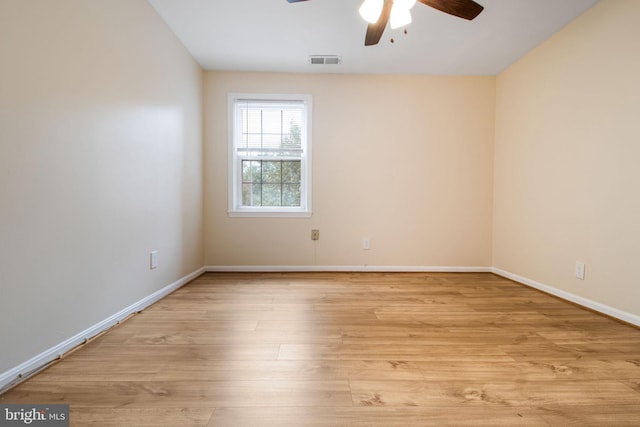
[379, 12]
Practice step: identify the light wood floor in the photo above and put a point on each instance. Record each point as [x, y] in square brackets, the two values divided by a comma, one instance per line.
[352, 350]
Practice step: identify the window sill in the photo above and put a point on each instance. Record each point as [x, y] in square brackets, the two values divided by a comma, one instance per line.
[269, 214]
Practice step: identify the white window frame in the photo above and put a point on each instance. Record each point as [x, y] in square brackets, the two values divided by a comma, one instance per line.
[235, 171]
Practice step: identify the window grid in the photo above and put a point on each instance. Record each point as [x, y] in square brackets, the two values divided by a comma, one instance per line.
[286, 178]
[246, 135]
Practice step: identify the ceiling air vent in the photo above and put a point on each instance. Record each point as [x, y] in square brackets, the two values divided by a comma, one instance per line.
[325, 59]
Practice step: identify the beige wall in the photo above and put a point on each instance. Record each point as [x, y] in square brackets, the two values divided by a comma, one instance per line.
[405, 161]
[566, 165]
[100, 163]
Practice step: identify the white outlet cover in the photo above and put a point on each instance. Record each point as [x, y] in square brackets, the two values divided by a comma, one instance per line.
[580, 268]
[153, 259]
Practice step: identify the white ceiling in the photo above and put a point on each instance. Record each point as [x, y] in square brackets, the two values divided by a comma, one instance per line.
[273, 35]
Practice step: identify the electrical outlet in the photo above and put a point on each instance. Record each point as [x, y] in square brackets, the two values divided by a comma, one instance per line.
[315, 234]
[580, 267]
[366, 244]
[153, 259]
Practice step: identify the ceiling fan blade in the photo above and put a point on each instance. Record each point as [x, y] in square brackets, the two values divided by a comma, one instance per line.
[295, 1]
[374, 31]
[467, 9]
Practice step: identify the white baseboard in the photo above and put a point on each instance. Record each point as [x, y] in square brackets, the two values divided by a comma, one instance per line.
[596, 306]
[343, 268]
[33, 365]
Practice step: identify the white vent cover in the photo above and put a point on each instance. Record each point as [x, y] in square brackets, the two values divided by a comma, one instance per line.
[325, 60]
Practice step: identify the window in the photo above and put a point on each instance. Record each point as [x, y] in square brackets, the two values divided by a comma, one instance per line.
[269, 155]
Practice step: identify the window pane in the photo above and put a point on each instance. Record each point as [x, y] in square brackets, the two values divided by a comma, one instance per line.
[291, 195]
[254, 140]
[271, 195]
[256, 171]
[251, 195]
[251, 171]
[253, 121]
[272, 121]
[272, 140]
[256, 194]
[280, 179]
[291, 172]
[292, 120]
[271, 172]
[246, 194]
[246, 171]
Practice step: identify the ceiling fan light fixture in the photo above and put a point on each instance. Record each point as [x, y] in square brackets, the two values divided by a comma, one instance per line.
[371, 10]
[400, 17]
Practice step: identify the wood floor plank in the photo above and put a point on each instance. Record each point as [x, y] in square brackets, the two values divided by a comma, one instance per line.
[141, 417]
[176, 353]
[573, 370]
[285, 370]
[592, 415]
[351, 349]
[392, 352]
[423, 393]
[187, 394]
[378, 416]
